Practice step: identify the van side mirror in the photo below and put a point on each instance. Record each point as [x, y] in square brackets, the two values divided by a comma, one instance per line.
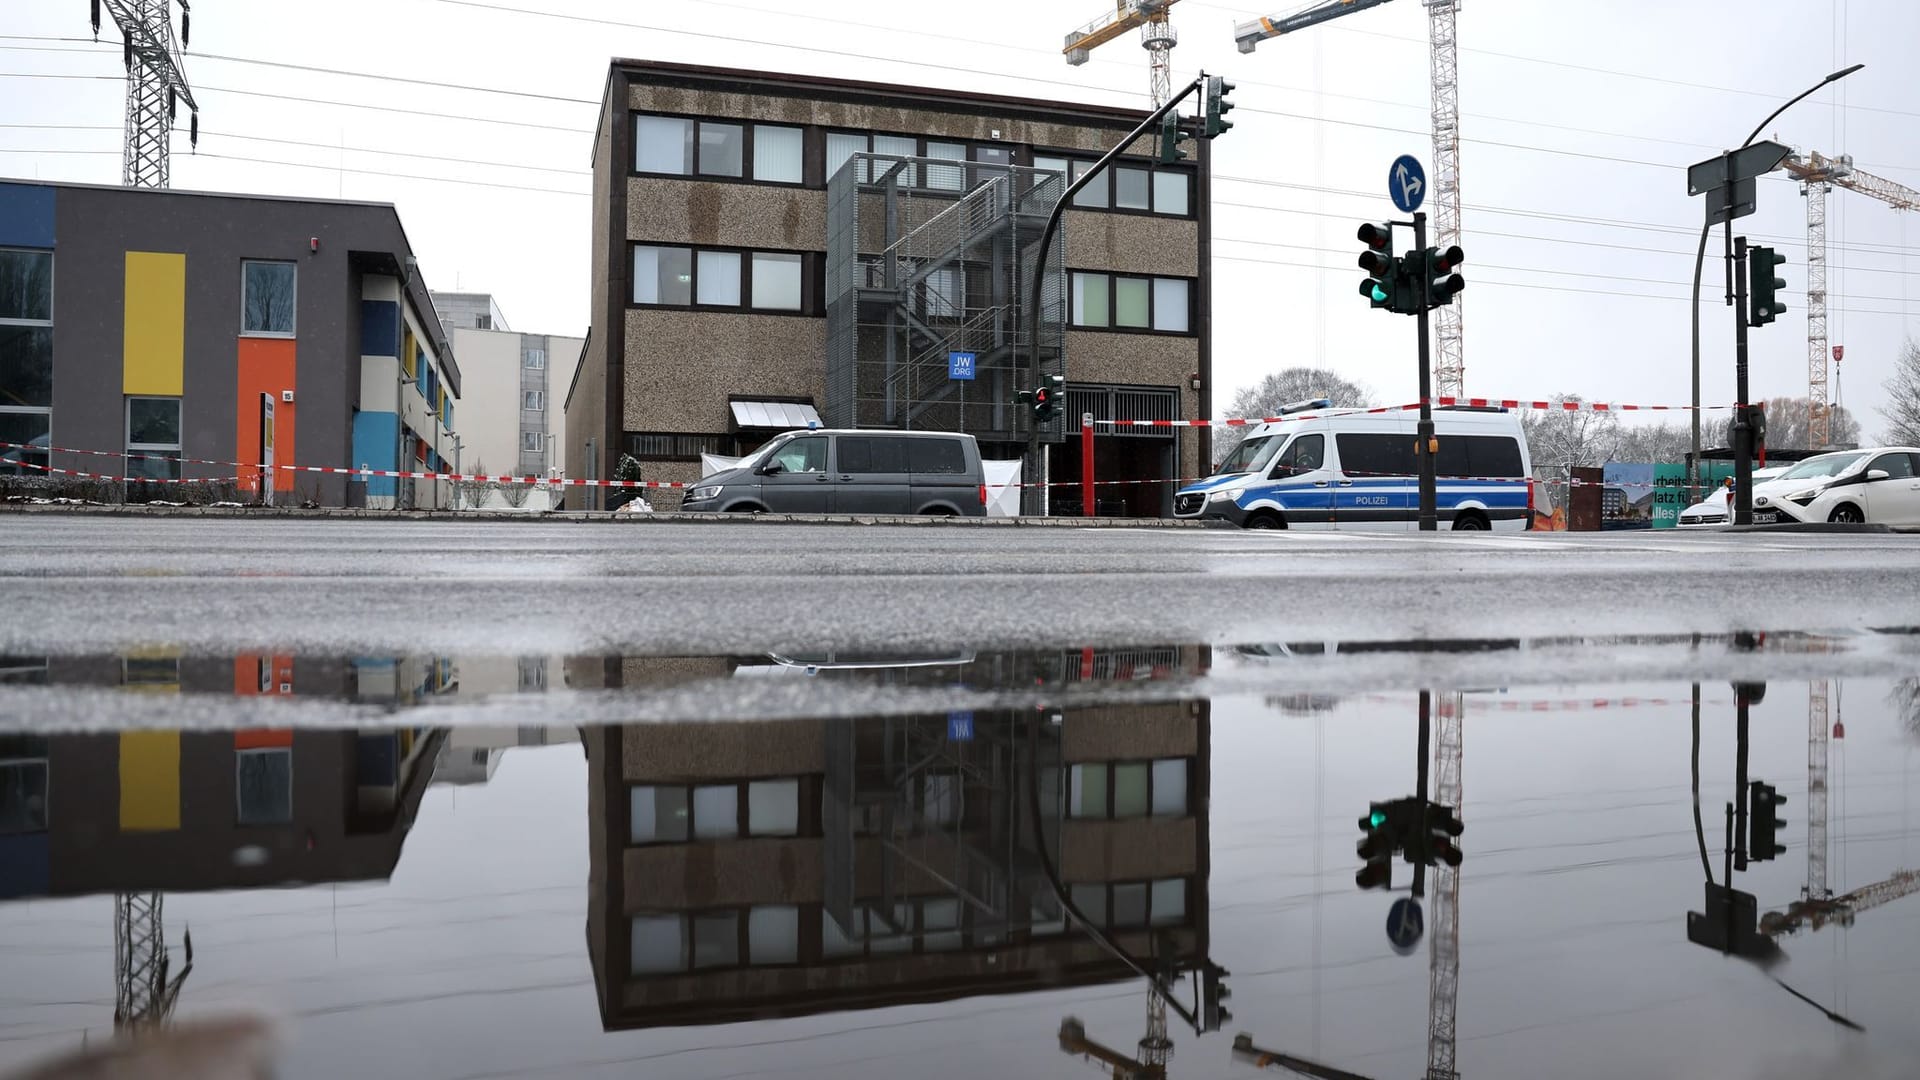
[1878, 474]
[771, 468]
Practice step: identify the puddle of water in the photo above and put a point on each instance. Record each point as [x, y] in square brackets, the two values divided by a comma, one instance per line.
[948, 863]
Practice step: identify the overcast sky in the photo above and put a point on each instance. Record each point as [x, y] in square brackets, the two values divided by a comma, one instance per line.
[1578, 124]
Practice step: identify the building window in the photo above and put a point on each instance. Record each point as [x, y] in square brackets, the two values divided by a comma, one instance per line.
[153, 445]
[1132, 189]
[723, 149]
[1128, 302]
[1094, 195]
[678, 813]
[530, 441]
[675, 446]
[26, 359]
[1138, 188]
[23, 784]
[663, 144]
[534, 359]
[263, 786]
[533, 400]
[267, 295]
[1131, 904]
[778, 154]
[1128, 789]
[483, 321]
[771, 281]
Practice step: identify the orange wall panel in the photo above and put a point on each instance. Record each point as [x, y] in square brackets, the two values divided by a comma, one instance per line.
[266, 367]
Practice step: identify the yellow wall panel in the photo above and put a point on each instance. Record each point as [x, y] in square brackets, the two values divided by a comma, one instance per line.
[149, 780]
[156, 323]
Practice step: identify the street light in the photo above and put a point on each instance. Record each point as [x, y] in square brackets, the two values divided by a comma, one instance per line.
[1699, 264]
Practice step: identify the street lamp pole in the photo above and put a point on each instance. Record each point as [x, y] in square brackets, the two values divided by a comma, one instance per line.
[1743, 486]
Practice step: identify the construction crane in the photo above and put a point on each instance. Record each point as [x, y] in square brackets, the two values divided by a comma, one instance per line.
[156, 85]
[145, 988]
[1156, 36]
[1449, 366]
[1443, 974]
[1818, 173]
[1814, 914]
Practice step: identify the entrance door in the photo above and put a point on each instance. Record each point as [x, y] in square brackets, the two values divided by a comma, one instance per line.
[800, 483]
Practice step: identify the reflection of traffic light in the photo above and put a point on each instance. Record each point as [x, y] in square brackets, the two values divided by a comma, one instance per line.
[1376, 848]
[1213, 994]
[1763, 303]
[1218, 105]
[1763, 827]
[1441, 827]
[1443, 280]
[1383, 270]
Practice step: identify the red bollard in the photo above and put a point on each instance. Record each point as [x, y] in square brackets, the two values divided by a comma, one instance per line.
[1086, 464]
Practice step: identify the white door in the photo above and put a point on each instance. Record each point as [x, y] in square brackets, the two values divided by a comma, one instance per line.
[1895, 500]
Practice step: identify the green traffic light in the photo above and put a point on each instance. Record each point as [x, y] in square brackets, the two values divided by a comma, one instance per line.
[1378, 817]
[1379, 297]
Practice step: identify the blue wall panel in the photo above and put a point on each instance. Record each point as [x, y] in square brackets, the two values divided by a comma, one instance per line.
[26, 215]
[376, 439]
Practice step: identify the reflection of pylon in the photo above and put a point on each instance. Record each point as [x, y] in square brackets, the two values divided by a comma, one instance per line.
[143, 994]
[1444, 971]
[1817, 692]
[1156, 1050]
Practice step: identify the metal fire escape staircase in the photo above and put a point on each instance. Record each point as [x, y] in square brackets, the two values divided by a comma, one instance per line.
[927, 257]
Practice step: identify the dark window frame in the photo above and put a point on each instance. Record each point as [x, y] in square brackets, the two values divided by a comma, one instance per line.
[1109, 766]
[684, 445]
[807, 813]
[746, 148]
[1110, 183]
[812, 280]
[1113, 305]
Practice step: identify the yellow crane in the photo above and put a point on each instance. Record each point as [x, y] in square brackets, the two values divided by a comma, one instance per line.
[1156, 36]
[1817, 173]
[1814, 914]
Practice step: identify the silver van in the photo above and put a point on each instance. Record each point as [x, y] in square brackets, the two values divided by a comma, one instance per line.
[851, 472]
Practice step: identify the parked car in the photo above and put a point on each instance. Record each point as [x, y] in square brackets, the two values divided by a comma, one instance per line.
[1717, 508]
[1880, 485]
[1356, 470]
[851, 472]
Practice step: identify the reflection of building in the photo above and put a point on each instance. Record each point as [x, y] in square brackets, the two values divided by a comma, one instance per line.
[471, 753]
[795, 867]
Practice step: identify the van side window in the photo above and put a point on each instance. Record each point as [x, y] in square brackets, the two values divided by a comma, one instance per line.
[1303, 455]
[1493, 455]
[938, 456]
[873, 454]
[804, 455]
[1377, 455]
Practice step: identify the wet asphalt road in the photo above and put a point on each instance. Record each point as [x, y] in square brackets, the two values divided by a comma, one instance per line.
[71, 584]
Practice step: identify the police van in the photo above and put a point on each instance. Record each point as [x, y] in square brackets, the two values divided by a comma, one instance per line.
[1356, 470]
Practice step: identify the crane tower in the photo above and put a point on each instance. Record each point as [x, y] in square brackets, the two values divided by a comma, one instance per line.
[156, 85]
[1156, 36]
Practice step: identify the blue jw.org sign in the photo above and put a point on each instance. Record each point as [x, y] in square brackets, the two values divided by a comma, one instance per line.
[960, 365]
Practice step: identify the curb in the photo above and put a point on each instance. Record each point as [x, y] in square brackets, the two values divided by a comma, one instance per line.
[1811, 527]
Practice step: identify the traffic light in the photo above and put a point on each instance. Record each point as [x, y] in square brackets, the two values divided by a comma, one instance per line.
[1376, 848]
[1048, 397]
[1439, 830]
[1170, 137]
[1382, 285]
[1443, 279]
[1213, 994]
[1763, 302]
[1218, 105]
[1762, 826]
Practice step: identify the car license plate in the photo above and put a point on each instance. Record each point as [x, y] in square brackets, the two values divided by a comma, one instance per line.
[1766, 517]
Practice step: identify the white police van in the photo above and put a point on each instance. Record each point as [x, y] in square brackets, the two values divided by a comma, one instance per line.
[1356, 470]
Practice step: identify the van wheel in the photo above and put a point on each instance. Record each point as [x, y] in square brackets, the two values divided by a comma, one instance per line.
[1471, 521]
[1848, 514]
[746, 508]
[1266, 519]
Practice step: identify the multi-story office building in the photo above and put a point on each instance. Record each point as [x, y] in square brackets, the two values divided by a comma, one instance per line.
[795, 867]
[156, 326]
[771, 248]
[511, 418]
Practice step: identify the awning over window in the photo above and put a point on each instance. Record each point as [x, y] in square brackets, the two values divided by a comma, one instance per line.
[778, 415]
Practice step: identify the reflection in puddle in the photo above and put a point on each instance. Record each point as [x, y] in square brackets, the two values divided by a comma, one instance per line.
[1144, 858]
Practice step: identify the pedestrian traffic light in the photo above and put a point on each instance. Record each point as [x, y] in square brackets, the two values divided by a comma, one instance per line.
[1048, 397]
[1443, 280]
[1170, 137]
[1376, 848]
[1213, 995]
[1218, 105]
[1441, 826]
[1763, 302]
[1381, 287]
[1763, 827]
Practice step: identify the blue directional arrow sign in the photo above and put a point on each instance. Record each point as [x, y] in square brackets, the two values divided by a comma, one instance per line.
[1405, 924]
[1407, 183]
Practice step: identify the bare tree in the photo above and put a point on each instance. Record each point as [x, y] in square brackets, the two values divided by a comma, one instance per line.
[1787, 419]
[473, 493]
[1557, 438]
[516, 492]
[1902, 409]
[1653, 442]
[1285, 387]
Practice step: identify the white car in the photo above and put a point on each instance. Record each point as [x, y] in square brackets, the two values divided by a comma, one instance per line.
[1717, 508]
[1881, 485]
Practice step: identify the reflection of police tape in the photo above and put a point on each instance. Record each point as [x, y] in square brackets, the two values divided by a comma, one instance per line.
[1516, 404]
[1478, 703]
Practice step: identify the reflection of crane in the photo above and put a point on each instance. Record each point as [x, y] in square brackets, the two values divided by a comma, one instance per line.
[1149, 1066]
[1156, 36]
[155, 85]
[1818, 173]
[1449, 365]
[1443, 980]
[143, 994]
[1817, 692]
[1814, 914]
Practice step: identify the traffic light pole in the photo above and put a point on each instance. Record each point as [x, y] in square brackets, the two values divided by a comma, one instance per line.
[1420, 776]
[1742, 429]
[1424, 450]
[1738, 827]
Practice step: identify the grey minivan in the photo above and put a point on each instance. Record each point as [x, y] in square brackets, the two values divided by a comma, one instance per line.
[851, 472]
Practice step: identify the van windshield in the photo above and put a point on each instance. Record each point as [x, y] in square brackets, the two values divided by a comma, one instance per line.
[752, 461]
[1251, 455]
